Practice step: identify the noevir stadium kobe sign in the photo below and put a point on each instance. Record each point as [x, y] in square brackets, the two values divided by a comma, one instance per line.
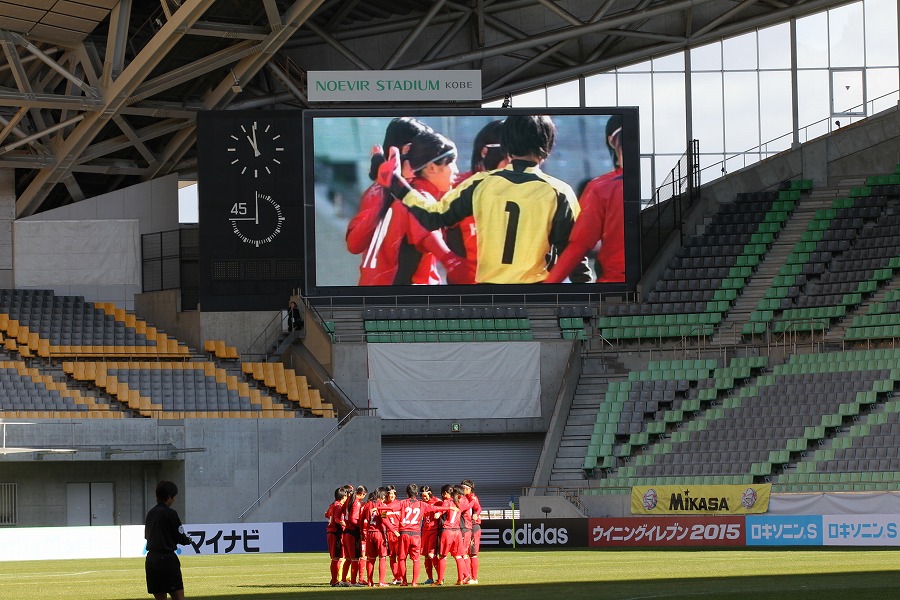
[393, 86]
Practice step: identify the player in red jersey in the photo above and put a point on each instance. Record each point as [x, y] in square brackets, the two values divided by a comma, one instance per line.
[430, 533]
[375, 546]
[601, 223]
[390, 517]
[472, 522]
[351, 539]
[487, 155]
[360, 229]
[412, 514]
[432, 159]
[396, 249]
[454, 504]
[335, 515]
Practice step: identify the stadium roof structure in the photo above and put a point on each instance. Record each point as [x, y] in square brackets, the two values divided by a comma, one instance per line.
[96, 95]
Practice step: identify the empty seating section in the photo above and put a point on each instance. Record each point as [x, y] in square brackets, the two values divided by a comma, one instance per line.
[845, 254]
[652, 399]
[572, 321]
[27, 394]
[219, 349]
[288, 383]
[447, 324]
[881, 321]
[176, 390]
[824, 418]
[39, 323]
[158, 377]
[703, 280]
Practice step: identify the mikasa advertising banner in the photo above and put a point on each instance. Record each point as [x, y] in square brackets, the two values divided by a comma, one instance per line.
[752, 498]
[393, 86]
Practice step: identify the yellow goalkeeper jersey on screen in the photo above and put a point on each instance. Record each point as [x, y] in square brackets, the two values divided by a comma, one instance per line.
[523, 218]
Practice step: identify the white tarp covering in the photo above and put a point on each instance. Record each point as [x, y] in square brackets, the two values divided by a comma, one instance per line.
[835, 503]
[54, 254]
[483, 380]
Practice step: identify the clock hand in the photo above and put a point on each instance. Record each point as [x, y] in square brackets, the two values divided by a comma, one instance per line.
[257, 208]
[255, 146]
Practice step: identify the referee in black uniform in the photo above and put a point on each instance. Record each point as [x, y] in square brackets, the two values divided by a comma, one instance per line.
[163, 532]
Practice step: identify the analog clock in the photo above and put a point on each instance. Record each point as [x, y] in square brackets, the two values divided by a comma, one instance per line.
[255, 149]
[257, 222]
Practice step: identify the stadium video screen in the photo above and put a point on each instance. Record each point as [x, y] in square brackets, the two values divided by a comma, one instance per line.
[467, 209]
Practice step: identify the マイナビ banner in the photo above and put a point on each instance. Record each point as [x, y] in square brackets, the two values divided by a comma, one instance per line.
[393, 86]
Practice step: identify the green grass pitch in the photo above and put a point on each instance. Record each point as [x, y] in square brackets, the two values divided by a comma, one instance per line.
[820, 574]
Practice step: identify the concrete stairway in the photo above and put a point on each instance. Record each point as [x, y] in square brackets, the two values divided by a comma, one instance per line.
[597, 372]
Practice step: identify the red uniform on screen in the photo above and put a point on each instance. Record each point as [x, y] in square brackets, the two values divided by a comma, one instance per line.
[362, 226]
[462, 238]
[396, 254]
[600, 226]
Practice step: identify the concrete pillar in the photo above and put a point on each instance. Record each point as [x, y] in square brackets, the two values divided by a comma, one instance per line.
[7, 216]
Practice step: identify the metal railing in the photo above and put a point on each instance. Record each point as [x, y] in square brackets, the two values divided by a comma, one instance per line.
[784, 142]
[260, 346]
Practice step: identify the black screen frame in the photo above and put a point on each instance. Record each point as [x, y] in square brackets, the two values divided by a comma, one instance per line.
[355, 294]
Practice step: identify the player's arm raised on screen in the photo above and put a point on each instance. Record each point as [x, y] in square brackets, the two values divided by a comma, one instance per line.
[455, 206]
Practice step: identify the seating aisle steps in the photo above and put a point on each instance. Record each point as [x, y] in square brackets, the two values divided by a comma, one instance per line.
[597, 372]
[729, 330]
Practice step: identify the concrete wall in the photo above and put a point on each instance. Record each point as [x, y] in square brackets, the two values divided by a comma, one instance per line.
[222, 466]
[150, 207]
[154, 204]
[163, 309]
[247, 331]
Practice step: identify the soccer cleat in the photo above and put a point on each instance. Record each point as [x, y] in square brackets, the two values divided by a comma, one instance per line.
[343, 584]
[438, 583]
[358, 585]
[429, 581]
[384, 585]
[472, 582]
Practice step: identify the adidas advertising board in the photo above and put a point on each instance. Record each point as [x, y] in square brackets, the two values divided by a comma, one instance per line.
[534, 533]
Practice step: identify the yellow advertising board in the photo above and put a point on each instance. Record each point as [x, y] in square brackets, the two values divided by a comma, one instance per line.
[751, 498]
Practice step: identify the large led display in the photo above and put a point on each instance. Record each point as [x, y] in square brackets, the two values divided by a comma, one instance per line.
[481, 201]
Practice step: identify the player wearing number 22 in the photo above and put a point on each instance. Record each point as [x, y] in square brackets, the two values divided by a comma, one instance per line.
[523, 216]
[412, 516]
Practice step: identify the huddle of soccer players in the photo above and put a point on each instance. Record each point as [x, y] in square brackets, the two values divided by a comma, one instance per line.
[363, 527]
[505, 221]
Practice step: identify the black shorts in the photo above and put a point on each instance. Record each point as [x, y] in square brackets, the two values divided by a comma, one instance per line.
[163, 571]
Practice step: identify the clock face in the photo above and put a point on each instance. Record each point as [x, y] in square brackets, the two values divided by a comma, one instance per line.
[256, 149]
[258, 221]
